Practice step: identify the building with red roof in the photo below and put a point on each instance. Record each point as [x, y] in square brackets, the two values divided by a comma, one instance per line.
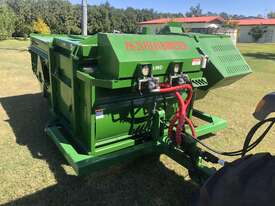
[201, 24]
[200, 19]
[213, 24]
[255, 22]
[245, 26]
[195, 24]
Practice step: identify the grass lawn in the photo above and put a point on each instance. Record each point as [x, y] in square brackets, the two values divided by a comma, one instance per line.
[33, 172]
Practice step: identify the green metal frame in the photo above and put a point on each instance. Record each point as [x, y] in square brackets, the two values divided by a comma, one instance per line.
[90, 83]
[83, 163]
[213, 124]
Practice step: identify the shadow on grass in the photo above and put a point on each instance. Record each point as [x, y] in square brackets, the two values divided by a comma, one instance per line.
[261, 55]
[145, 181]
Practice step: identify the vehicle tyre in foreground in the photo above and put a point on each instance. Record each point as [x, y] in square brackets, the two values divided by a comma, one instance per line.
[249, 181]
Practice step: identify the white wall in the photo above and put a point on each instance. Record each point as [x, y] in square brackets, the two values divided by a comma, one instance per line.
[244, 36]
[200, 25]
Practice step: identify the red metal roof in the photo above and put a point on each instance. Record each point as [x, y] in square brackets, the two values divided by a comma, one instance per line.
[200, 19]
[248, 22]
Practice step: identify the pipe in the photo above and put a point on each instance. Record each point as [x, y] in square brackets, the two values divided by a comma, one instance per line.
[84, 21]
[175, 88]
[181, 114]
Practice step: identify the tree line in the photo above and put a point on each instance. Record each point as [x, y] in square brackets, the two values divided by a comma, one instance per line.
[19, 18]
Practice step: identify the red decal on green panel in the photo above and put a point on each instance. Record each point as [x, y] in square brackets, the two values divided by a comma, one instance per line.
[154, 46]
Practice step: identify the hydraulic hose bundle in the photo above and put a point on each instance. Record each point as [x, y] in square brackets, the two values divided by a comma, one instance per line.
[181, 115]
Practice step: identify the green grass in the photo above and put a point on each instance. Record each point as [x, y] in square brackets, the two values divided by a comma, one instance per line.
[33, 172]
[260, 56]
[14, 44]
[237, 102]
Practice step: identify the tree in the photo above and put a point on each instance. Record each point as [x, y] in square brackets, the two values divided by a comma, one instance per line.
[39, 26]
[194, 11]
[22, 9]
[116, 18]
[60, 16]
[260, 16]
[130, 20]
[257, 32]
[224, 15]
[63, 17]
[271, 14]
[7, 19]
[209, 13]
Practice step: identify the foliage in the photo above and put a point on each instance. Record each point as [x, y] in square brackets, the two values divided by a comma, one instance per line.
[24, 30]
[6, 22]
[257, 32]
[39, 26]
[194, 11]
[59, 15]
[63, 17]
[22, 22]
[271, 14]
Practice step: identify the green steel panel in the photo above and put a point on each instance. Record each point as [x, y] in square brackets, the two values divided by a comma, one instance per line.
[84, 164]
[109, 148]
[226, 64]
[121, 54]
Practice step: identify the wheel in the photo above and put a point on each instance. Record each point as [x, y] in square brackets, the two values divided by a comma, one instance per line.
[249, 181]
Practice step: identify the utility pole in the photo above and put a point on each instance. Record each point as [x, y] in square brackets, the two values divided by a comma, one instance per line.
[84, 18]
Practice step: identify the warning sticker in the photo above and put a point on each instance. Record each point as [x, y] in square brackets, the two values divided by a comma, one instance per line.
[99, 113]
[196, 62]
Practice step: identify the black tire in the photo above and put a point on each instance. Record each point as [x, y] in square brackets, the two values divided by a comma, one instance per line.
[249, 181]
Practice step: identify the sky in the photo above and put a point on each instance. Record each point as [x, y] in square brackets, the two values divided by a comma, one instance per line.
[244, 7]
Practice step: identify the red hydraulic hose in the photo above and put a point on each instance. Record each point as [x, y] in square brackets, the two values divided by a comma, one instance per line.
[172, 124]
[175, 88]
[191, 125]
[181, 114]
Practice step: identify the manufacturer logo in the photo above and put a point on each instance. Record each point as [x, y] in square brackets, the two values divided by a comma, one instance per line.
[155, 46]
